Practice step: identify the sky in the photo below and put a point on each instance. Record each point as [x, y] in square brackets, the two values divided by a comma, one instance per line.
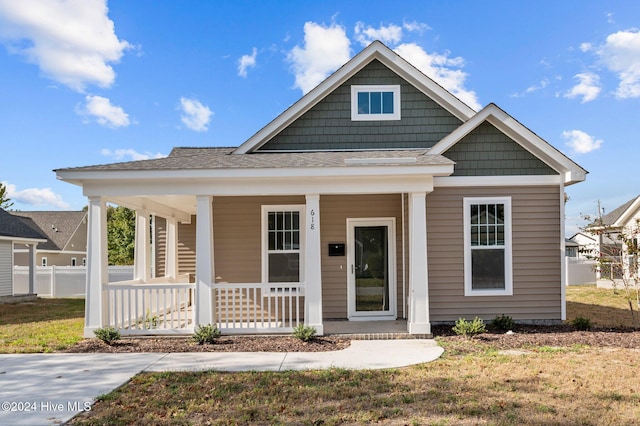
[85, 82]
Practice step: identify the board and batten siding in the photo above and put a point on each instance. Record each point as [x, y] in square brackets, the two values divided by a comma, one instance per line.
[334, 212]
[6, 268]
[536, 255]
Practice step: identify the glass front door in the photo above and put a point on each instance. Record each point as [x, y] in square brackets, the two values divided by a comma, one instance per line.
[372, 269]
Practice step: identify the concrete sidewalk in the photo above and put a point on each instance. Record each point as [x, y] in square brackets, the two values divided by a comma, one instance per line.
[42, 389]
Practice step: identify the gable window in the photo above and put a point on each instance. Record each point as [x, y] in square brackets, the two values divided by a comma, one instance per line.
[74, 261]
[44, 261]
[487, 247]
[370, 103]
[282, 242]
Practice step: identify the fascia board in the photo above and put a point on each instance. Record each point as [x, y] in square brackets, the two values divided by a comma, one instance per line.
[375, 50]
[22, 240]
[183, 215]
[520, 134]
[494, 181]
[626, 216]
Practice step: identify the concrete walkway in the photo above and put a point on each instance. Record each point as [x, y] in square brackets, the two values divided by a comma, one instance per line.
[42, 389]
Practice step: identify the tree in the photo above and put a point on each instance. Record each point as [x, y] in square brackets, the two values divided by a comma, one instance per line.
[121, 234]
[5, 201]
[617, 256]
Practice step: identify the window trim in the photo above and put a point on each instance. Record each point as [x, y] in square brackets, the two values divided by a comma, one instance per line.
[266, 209]
[508, 243]
[394, 88]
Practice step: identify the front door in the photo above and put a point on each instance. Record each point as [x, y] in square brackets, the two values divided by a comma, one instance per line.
[371, 269]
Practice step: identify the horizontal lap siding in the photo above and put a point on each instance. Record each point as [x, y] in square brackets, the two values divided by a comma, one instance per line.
[334, 211]
[6, 268]
[536, 255]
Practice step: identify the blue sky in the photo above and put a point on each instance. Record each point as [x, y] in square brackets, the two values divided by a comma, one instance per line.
[87, 82]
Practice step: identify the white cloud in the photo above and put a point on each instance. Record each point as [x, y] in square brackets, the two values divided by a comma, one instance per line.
[588, 87]
[195, 115]
[621, 54]
[325, 50]
[38, 197]
[73, 42]
[247, 61]
[130, 154]
[442, 69]
[104, 112]
[391, 34]
[580, 142]
[416, 26]
[585, 47]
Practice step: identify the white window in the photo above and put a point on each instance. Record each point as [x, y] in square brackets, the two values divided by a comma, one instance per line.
[44, 261]
[74, 261]
[370, 103]
[487, 247]
[282, 231]
[84, 261]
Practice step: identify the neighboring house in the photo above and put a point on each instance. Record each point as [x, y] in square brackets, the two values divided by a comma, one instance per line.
[571, 248]
[587, 244]
[14, 231]
[66, 233]
[607, 232]
[378, 195]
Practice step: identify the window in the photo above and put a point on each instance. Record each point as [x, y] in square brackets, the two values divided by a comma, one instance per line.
[44, 261]
[370, 103]
[487, 244]
[282, 242]
[84, 261]
[74, 261]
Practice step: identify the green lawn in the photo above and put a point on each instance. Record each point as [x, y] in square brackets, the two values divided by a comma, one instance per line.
[46, 325]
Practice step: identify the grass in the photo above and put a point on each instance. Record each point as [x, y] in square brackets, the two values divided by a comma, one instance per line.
[46, 325]
[546, 385]
[605, 307]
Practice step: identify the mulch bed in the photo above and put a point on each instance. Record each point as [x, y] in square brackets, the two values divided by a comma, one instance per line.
[523, 337]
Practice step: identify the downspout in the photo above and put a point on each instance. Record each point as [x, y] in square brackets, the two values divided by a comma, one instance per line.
[563, 263]
[404, 266]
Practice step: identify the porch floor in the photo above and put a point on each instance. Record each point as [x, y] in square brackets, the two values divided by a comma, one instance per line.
[371, 330]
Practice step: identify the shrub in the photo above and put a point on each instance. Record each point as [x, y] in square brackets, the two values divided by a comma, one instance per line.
[469, 328]
[581, 323]
[107, 334]
[503, 322]
[304, 332]
[206, 334]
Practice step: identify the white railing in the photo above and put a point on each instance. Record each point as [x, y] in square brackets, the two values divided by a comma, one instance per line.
[62, 281]
[258, 308]
[159, 308]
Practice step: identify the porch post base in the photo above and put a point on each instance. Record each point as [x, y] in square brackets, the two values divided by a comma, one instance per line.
[88, 332]
[419, 328]
[319, 329]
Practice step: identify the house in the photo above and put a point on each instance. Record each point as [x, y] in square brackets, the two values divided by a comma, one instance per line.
[14, 231]
[586, 244]
[66, 233]
[610, 233]
[378, 195]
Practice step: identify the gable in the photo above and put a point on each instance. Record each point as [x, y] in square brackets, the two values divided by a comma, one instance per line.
[486, 151]
[328, 125]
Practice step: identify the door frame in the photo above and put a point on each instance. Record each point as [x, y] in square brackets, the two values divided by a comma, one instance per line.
[392, 314]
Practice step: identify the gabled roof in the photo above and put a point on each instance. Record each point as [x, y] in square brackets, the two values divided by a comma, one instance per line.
[375, 50]
[16, 228]
[622, 214]
[58, 226]
[520, 134]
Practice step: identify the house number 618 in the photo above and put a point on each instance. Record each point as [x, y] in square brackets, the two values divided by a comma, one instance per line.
[312, 226]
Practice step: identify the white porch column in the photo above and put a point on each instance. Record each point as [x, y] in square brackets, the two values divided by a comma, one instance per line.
[171, 252]
[142, 253]
[32, 268]
[419, 322]
[313, 257]
[95, 304]
[204, 261]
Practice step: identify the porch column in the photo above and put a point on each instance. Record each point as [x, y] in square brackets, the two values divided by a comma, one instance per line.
[171, 252]
[142, 253]
[32, 268]
[419, 322]
[95, 304]
[204, 261]
[313, 270]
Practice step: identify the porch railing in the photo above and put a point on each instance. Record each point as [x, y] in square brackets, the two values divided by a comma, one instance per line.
[258, 308]
[155, 308]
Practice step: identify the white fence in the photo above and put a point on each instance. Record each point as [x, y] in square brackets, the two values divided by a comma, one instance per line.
[62, 281]
[580, 271]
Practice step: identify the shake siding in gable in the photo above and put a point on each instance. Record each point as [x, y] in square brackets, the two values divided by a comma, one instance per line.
[328, 125]
[536, 256]
[6, 268]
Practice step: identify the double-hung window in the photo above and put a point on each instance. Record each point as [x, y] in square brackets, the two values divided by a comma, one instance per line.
[282, 243]
[370, 103]
[487, 247]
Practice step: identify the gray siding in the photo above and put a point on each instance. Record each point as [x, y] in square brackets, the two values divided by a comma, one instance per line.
[6, 268]
[536, 256]
[328, 125]
[486, 151]
[186, 247]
